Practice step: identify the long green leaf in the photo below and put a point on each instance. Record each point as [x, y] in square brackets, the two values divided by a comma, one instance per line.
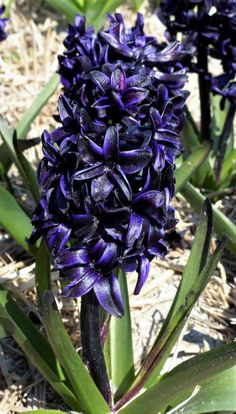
[42, 271]
[222, 225]
[22, 164]
[15, 221]
[184, 378]
[44, 412]
[190, 165]
[121, 347]
[27, 171]
[196, 263]
[29, 116]
[215, 394]
[84, 388]
[35, 346]
[204, 176]
[148, 375]
[66, 7]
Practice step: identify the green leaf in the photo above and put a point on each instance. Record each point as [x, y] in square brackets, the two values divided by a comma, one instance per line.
[121, 347]
[15, 221]
[80, 379]
[137, 4]
[35, 346]
[190, 165]
[184, 378]
[42, 271]
[44, 412]
[196, 263]
[107, 7]
[66, 7]
[204, 176]
[222, 225]
[215, 394]
[21, 163]
[28, 172]
[29, 116]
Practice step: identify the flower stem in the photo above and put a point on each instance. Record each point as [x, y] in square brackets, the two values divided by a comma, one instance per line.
[204, 91]
[221, 150]
[91, 344]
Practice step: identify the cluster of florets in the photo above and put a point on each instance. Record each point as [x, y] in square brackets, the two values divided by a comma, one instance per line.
[106, 179]
[208, 26]
[3, 22]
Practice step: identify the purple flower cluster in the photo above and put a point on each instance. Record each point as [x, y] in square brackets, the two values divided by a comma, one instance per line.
[3, 21]
[208, 26]
[106, 179]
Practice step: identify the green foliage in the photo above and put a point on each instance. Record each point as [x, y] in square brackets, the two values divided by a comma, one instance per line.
[184, 378]
[82, 384]
[15, 221]
[121, 347]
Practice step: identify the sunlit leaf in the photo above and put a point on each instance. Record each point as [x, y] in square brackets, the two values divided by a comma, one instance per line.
[35, 347]
[15, 221]
[222, 224]
[184, 378]
[80, 379]
[121, 348]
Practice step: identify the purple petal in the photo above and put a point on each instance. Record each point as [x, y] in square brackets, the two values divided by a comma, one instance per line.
[119, 178]
[108, 257]
[101, 188]
[134, 96]
[122, 49]
[111, 144]
[108, 293]
[135, 160]
[118, 79]
[134, 230]
[79, 288]
[98, 151]
[149, 203]
[90, 172]
[143, 273]
[102, 103]
[101, 80]
[139, 81]
[57, 238]
[71, 257]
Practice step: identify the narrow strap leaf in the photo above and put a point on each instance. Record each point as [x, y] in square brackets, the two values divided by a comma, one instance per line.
[35, 346]
[42, 271]
[190, 165]
[148, 374]
[29, 116]
[215, 394]
[80, 379]
[15, 221]
[182, 379]
[121, 347]
[222, 225]
[66, 7]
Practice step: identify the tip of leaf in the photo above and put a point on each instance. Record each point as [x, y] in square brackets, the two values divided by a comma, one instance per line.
[207, 211]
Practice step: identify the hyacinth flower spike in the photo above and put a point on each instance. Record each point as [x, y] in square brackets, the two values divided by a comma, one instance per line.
[107, 175]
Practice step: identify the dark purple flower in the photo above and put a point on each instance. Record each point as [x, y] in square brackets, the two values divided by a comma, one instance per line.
[106, 179]
[208, 27]
[3, 22]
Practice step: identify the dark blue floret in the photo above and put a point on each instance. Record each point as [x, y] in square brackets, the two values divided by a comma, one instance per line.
[207, 26]
[106, 178]
[3, 22]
